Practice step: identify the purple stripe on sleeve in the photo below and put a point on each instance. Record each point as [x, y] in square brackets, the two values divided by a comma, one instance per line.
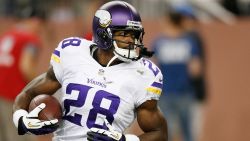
[57, 53]
[156, 84]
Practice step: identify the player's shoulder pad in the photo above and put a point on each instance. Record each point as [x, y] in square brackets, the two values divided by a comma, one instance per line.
[69, 46]
[69, 43]
[150, 67]
[155, 76]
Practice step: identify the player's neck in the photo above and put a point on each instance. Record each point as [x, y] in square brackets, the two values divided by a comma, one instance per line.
[104, 56]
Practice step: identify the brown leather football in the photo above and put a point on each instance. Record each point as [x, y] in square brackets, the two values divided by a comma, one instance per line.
[52, 110]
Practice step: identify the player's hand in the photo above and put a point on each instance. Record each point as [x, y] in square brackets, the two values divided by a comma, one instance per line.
[96, 134]
[31, 123]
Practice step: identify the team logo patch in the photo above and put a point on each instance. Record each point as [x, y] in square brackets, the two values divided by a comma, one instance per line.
[104, 17]
[101, 72]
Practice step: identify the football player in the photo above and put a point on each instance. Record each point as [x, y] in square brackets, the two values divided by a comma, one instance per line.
[105, 84]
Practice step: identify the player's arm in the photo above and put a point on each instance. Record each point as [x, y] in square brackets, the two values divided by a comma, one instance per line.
[46, 83]
[152, 122]
[28, 122]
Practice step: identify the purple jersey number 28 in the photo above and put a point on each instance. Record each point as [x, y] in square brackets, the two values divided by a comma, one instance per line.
[151, 66]
[99, 97]
[71, 42]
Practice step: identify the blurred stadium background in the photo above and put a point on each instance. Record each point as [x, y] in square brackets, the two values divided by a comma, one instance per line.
[227, 45]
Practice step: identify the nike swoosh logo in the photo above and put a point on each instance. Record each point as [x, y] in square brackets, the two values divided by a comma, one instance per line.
[160, 80]
[31, 125]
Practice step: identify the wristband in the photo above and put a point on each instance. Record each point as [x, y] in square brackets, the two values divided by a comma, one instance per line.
[131, 137]
[17, 115]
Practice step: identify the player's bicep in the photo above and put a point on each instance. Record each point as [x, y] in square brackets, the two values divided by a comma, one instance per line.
[46, 83]
[151, 120]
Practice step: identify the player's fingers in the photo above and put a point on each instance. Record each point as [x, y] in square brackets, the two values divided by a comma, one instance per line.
[90, 139]
[49, 122]
[90, 135]
[108, 125]
[100, 131]
[96, 130]
[35, 112]
[34, 125]
[93, 139]
[93, 136]
[54, 121]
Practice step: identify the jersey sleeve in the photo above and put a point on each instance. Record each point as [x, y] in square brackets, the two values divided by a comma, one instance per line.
[151, 88]
[56, 62]
[68, 53]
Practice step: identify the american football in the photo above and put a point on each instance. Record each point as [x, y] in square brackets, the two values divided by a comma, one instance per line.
[52, 110]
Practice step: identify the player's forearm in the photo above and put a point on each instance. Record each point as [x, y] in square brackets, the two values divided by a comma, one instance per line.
[21, 102]
[40, 85]
[155, 131]
[152, 122]
[25, 96]
[159, 135]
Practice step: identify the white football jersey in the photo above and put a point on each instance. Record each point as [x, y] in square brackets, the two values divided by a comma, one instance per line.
[91, 93]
